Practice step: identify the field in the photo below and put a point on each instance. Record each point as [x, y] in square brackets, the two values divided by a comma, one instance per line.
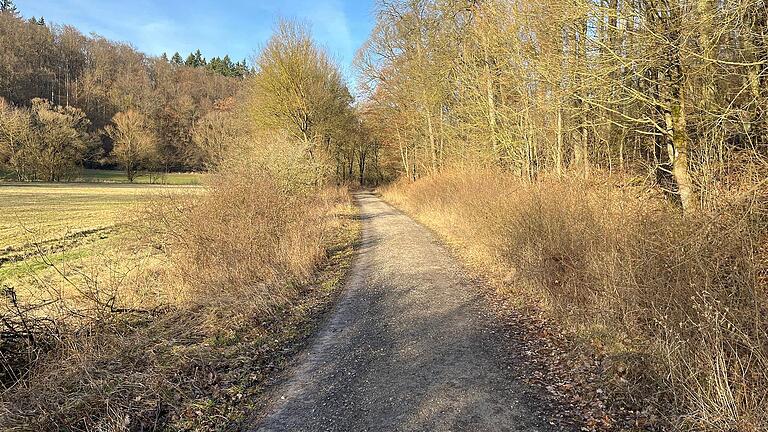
[113, 176]
[53, 232]
[116, 176]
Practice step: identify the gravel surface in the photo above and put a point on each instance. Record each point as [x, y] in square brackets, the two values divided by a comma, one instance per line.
[409, 347]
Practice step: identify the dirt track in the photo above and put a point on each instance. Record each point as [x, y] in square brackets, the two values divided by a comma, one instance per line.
[408, 347]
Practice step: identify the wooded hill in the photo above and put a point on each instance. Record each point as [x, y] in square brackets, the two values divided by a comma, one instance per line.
[87, 80]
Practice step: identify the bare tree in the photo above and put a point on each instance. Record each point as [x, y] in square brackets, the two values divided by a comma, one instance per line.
[134, 142]
[15, 139]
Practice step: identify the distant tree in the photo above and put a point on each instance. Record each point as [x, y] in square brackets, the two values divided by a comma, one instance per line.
[102, 78]
[164, 57]
[227, 67]
[199, 59]
[215, 65]
[134, 142]
[297, 88]
[7, 7]
[213, 135]
[35, 21]
[241, 69]
[61, 140]
[15, 139]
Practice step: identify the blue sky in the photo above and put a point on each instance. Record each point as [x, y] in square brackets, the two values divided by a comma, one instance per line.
[235, 27]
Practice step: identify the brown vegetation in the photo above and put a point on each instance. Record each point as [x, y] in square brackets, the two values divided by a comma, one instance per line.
[140, 350]
[677, 304]
[44, 142]
[133, 142]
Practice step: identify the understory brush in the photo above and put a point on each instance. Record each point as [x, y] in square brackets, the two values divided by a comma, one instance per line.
[678, 305]
[238, 277]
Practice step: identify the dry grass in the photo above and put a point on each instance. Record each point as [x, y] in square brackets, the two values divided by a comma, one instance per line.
[43, 212]
[678, 304]
[177, 343]
[65, 244]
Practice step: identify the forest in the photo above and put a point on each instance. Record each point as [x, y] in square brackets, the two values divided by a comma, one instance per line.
[601, 165]
[669, 91]
[61, 89]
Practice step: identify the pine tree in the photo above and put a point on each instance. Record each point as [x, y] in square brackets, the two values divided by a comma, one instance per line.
[41, 21]
[7, 7]
[215, 65]
[190, 61]
[164, 57]
[199, 59]
[176, 59]
[227, 66]
[241, 69]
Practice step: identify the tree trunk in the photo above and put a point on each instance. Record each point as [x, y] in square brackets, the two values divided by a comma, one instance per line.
[361, 166]
[432, 143]
[678, 150]
[559, 149]
[490, 100]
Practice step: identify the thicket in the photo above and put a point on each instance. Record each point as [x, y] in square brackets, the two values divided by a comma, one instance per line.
[44, 142]
[677, 305]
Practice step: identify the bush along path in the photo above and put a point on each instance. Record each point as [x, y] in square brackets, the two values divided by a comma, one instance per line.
[411, 345]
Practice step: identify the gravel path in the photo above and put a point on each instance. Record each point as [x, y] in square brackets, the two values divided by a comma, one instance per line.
[409, 347]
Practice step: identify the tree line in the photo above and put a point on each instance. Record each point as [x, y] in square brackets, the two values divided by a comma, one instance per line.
[223, 66]
[90, 80]
[674, 91]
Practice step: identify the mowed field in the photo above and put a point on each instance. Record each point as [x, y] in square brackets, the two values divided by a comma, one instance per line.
[112, 176]
[56, 239]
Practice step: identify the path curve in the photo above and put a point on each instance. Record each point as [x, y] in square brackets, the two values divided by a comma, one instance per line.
[409, 346]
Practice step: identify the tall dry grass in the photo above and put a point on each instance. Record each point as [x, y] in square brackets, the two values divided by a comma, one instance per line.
[678, 303]
[235, 259]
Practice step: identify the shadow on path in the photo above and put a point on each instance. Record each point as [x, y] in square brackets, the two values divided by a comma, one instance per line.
[409, 347]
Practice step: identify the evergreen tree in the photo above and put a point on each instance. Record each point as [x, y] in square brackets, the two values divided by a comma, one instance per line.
[190, 61]
[176, 59]
[227, 67]
[199, 59]
[41, 21]
[215, 65]
[241, 69]
[164, 57]
[7, 7]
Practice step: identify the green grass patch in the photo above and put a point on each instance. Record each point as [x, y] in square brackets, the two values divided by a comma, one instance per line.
[37, 264]
[114, 176]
